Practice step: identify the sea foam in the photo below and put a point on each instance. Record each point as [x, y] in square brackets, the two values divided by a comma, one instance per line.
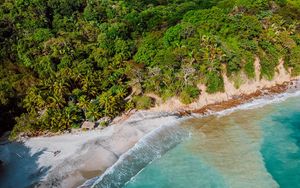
[149, 148]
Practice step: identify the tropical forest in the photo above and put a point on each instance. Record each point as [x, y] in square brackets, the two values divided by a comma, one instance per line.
[63, 62]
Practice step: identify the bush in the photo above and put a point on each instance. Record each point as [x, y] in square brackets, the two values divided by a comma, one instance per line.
[189, 94]
[143, 102]
[267, 68]
[294, 61]
[234, 65]
[214, 82]
[249, 65]
[249, 69]
[248, 27]
[167, 94]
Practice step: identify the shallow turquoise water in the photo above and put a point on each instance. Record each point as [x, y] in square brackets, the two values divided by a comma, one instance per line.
[248, 148]
[281, 143]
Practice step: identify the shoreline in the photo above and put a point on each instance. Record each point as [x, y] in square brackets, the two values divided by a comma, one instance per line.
[86, 154]
[212, 109]
[231, 91]
[245, 98]
[70, 159]
[206, 103]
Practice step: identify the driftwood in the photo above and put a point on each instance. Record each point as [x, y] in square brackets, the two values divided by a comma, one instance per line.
[55, 153]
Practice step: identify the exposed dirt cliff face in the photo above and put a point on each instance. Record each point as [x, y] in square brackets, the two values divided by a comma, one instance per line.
[247, 87]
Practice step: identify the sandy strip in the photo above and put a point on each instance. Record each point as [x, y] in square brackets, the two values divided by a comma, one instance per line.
[70, 159]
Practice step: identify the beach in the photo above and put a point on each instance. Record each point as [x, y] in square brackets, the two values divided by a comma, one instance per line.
[81, 156]
[69, 160]
[255, 144]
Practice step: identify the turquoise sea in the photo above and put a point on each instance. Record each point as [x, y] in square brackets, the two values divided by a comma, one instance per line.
[247, 148]
[254, 145]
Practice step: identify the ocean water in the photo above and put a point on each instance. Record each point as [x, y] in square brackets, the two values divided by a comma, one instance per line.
[258, 147]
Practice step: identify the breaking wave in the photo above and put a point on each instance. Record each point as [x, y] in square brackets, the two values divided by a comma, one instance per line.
[149, 148]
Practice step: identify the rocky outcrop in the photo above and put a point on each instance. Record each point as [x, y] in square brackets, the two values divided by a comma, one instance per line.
[88, 125]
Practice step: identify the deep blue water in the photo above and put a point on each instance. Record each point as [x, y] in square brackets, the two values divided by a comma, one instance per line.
[247, 148]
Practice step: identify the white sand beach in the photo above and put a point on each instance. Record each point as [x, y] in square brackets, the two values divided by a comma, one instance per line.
[69, 160]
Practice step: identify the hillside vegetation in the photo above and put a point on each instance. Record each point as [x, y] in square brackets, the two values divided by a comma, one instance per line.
[66, 61]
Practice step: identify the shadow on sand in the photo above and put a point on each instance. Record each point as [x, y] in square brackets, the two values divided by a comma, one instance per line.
[19, 168]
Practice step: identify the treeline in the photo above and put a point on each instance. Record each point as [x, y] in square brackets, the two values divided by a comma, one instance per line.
[66, 61]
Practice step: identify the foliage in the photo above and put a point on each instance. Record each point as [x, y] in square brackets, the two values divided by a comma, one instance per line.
[189, 94]
[214, 82]
[66, 61]
[143, 102]
[294, 61]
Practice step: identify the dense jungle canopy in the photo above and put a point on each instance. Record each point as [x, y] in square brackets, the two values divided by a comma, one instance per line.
[66, 61]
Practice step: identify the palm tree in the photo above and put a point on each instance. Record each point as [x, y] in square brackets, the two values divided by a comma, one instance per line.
[61, 87]
[93, 111]
[121, 93]
[34, 100]
[53, 119]
[88, 85]
[108, 103]
[83, 103]
[56, 101]
[69, 116]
